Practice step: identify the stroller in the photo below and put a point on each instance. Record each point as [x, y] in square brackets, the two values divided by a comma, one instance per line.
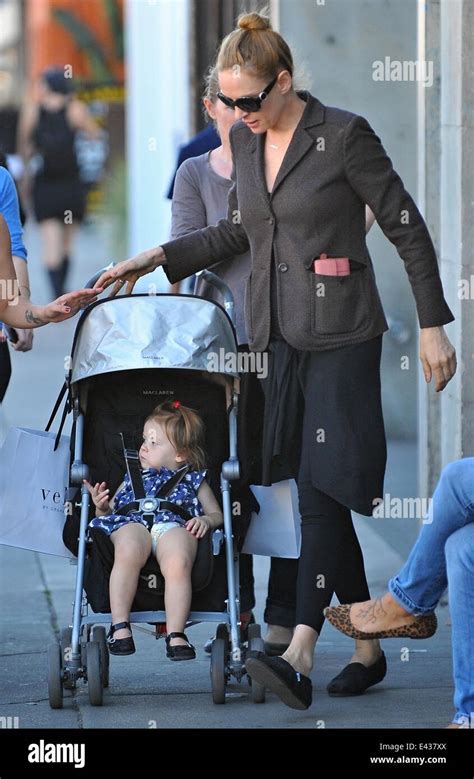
[128, 354]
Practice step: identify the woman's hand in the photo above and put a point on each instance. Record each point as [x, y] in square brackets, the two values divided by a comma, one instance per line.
[62, 308]
[129, 271]
[438, 356]
[100, 495]
[199, 526]
[25, 340]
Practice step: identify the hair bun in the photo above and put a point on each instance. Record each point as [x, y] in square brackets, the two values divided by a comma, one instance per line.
[253, 21]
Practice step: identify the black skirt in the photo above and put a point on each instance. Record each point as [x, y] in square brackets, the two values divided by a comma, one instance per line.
[326, 407]
[53, 197]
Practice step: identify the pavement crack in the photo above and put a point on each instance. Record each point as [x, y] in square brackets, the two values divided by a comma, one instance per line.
[53, 618]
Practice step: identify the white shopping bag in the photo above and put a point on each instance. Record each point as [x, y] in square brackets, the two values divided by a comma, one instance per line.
[276, 530]
[3, 425]
[33, 484]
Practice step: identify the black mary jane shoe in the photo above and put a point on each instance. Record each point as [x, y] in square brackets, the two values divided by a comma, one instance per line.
[277, 675]
[179, 652]
[356, 678]
[120, 646]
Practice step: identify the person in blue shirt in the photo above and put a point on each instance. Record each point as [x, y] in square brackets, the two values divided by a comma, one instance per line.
[16, 310]
[10, 208]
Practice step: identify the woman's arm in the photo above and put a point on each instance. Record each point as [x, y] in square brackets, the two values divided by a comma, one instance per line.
[370, 172]
[25, 336]
[26, 125]
[81, 119]
[20, 313]
[188, 212]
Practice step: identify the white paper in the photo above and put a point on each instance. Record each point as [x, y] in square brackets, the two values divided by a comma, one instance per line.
[276, 530]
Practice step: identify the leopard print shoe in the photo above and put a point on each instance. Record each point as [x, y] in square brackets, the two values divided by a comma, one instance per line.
[422, 627]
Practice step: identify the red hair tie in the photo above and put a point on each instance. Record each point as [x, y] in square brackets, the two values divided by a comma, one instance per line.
[176, 403]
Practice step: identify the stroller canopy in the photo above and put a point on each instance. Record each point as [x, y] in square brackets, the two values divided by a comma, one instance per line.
[153, 331]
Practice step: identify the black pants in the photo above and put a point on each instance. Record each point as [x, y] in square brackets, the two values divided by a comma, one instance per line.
[327, 406]
[281, 598]
[331, 558]
[5, 368]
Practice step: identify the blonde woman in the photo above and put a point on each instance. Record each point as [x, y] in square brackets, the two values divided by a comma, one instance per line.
[302, 175]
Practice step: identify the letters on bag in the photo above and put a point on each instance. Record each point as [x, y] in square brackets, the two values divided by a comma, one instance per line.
[33, 485]
[276, 530]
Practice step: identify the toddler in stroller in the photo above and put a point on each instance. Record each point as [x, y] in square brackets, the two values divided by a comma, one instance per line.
[171, 454]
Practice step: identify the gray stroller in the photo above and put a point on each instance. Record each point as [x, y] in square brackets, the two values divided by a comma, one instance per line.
[130, 353]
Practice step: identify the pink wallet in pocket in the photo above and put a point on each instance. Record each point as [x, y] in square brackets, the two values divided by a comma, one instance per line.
[332, 266]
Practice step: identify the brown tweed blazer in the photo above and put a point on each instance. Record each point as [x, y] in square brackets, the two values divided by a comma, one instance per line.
[334, 165]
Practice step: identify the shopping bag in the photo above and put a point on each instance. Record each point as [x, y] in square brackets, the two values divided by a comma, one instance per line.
[33, 484]
[3, 425]
[276, 530]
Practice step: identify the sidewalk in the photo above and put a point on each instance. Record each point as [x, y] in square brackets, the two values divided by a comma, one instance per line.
[147, 690]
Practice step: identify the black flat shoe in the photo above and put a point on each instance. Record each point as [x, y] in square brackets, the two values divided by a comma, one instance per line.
[120, 646]
[355, 678]
[280, 677]
[179, 652]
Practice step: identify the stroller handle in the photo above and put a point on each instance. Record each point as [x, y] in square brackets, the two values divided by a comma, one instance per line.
[90, 283]
[208, 276]
[215, 281]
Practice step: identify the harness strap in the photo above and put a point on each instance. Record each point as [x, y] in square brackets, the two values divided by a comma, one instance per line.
[165, 505]
[133, 470]
[135, 475]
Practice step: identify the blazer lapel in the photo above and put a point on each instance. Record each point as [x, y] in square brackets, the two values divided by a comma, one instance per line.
[300, 144]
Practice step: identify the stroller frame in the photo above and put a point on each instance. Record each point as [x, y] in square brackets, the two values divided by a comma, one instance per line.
[82, 652]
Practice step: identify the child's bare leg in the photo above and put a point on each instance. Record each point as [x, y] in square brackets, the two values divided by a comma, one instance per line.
[132, 545]
[175, 552]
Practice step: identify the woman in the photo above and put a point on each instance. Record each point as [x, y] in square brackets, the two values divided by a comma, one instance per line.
[443, 556]
[47, 133]
[302, 174]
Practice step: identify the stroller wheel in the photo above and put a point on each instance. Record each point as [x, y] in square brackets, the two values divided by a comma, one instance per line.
[65, 643]
[55, 677]
[94, 673]
[256, 643]
[99, 635]
[218, 675]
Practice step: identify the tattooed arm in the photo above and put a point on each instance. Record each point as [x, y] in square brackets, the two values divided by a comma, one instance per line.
[21, 313]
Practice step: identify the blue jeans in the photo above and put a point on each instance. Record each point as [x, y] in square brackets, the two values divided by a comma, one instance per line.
[442, 555]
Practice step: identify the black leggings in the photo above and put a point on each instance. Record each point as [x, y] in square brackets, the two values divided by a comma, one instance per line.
[331, 558]
[5, 368]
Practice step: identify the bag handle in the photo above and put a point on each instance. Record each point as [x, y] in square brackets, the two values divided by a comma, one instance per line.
[67, 408]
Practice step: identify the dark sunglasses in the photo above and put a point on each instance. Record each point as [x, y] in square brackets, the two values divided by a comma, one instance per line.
[249, 103]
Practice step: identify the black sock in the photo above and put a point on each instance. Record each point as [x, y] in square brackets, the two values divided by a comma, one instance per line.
[55, 275]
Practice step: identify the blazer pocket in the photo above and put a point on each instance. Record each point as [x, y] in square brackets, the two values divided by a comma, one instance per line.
[339, 304]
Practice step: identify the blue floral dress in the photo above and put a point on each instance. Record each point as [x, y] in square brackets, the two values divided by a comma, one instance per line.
[184, 494]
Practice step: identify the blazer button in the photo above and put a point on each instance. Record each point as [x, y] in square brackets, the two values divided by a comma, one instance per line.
[271, 221]
[282, 267]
